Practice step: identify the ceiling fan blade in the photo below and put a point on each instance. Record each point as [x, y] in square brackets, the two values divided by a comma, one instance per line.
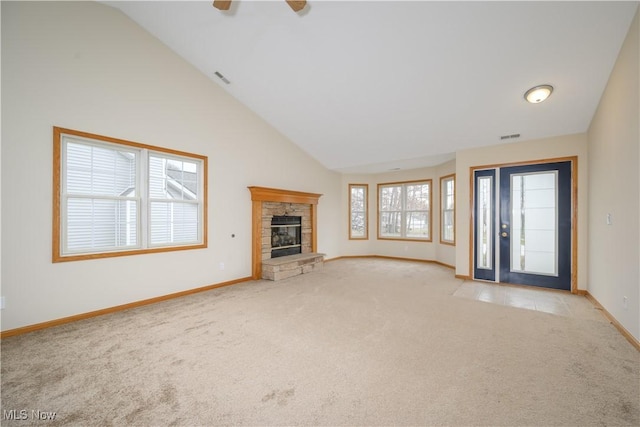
[222, 4]
[297, 5]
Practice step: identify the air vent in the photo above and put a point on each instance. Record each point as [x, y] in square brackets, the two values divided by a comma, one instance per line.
[223, 78]
[512, 136]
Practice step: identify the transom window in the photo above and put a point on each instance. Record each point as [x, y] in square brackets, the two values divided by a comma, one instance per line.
[448, 209]
[358, 201]
[115, 197]
[404, 210]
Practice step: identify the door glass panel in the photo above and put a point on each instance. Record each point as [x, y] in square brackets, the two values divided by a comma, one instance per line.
[484, 224]
[534, 222]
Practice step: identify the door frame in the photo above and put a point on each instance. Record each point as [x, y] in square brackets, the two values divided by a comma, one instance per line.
[574, 210]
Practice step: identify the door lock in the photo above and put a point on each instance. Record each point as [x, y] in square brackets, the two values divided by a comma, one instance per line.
[504, 234]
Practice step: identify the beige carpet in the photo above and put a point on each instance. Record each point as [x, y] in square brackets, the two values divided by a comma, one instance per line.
[363, 342]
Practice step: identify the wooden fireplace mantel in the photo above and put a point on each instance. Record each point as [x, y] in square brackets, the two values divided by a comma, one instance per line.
[264, 194]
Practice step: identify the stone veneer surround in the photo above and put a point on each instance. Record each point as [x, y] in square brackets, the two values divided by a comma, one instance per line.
[267, 202]
[271, 209]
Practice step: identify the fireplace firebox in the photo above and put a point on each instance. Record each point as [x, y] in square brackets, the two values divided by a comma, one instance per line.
[286, 235]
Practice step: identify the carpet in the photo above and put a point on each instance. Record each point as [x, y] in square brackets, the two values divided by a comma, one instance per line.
[361, 342]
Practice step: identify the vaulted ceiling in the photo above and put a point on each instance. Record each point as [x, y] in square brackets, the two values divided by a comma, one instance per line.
[370, 86]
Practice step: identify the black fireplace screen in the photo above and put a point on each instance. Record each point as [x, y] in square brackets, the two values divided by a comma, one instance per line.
[286, 235]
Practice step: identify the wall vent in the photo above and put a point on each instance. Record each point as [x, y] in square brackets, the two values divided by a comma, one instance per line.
[512, 136]
[223, 78]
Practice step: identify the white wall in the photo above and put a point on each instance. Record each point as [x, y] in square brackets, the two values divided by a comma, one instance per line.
[541, 149]
[614, 183]
[86, 66]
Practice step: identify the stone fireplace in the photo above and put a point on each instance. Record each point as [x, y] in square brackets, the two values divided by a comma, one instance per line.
[268, 203]
[281, 239]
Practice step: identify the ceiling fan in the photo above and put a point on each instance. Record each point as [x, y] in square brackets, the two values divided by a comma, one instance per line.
[296, 5]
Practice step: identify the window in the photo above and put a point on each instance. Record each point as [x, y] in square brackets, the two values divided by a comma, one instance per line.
[115, 197]
[358, 201]
[448, 209]
[404, 210]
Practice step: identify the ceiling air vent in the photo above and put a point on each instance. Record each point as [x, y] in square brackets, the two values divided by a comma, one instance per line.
[223, 78]
[512, 136]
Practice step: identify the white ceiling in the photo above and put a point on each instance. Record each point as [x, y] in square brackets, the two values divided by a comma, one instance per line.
[369, 86]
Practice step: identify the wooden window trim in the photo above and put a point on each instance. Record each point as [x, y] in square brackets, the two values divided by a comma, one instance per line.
[407, 239]
[442, 179]
[57, 255]
[366, 211]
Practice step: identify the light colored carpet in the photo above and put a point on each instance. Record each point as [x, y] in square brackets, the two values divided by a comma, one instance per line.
[362, 342]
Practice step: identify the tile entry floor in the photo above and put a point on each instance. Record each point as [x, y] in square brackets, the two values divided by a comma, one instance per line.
[532, 298]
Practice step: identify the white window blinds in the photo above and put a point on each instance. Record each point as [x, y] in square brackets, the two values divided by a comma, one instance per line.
[174, 206]
[115, 197]
[102, 209]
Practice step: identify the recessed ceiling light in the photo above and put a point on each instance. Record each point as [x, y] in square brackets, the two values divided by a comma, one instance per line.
[537, 94]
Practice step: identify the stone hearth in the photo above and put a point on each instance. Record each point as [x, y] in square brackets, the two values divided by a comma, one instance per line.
[291, 265]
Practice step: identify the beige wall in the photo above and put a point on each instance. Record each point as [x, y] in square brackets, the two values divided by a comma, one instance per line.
[86, 66]
[373, 246]
[431, 251]
[614, 184]
[548, 148]
[445, 254]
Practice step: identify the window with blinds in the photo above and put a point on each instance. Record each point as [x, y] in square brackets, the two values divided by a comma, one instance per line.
[115, 197]
[173, 200]
[100, 200]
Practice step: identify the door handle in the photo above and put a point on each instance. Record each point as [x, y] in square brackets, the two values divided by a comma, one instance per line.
[504, 234]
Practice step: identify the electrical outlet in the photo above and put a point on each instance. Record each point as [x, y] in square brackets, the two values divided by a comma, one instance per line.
[609, 219]
[1, 303]
[624, 302]
[221, 266]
